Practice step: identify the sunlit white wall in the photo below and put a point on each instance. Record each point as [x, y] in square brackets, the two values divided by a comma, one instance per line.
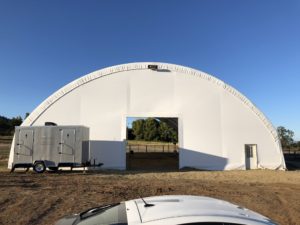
[214, 124]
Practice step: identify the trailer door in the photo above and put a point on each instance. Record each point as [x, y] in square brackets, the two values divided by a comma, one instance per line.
[68, 138]
[24, 149]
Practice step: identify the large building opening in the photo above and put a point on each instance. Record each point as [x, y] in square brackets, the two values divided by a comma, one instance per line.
[152, 143]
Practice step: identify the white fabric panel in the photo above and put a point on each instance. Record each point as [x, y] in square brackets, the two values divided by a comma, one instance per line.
[215, 120]
[102, 103]
[111, 153]
[239, 127]
[65, 111]
[150, 92]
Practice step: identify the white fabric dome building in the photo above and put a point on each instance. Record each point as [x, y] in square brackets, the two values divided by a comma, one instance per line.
[218, 127]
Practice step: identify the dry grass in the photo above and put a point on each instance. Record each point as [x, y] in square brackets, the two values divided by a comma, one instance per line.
[30, 199]
[134, 142]
[146, 146]
[5, 143]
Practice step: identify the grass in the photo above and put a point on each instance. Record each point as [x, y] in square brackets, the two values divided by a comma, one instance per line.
[134, 142]
[3, 165]
[150, 146]
[5, 143]
[6, 139]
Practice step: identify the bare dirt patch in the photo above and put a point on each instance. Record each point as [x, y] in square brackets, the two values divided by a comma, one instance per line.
[31, 198]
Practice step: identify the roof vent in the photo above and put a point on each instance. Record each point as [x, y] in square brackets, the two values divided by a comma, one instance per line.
[153, 67]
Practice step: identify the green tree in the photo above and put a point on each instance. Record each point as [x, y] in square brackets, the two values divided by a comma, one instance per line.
[166, 133]
[286, 136]
[4, 125]
[138, 129]
[16, 121]
[26, 115]
[7, 126]
[174, 137]
[130, 134]
[151, 130]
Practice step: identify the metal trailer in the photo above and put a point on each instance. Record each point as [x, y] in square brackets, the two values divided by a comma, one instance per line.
[51, 147]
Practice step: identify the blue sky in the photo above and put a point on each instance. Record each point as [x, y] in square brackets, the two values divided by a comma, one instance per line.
[252, 45]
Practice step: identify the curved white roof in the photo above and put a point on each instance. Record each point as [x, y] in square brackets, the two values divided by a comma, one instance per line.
[144, 66]
[216, 124]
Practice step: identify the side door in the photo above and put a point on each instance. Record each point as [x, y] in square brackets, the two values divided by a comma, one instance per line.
[24, 148]
[67, 145]
[251, 156]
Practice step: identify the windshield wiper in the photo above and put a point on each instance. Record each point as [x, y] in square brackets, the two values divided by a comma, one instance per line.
[96, 210]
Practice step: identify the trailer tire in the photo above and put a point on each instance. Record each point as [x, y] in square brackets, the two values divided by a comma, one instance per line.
[39, 167]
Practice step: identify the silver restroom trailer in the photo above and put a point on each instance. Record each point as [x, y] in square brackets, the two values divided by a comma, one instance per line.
[51, 147]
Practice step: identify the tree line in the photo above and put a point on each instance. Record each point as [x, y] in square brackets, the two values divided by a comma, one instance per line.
[151, 129]
[7, 126]
[287, 138]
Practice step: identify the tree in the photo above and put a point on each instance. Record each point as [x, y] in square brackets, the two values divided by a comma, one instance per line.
[130, 134]
[174, 137]
[7, 126]
[286, 136]
[164, 132]
[26, 115]
[138, 129]
[16, 121]
[4, 125]
[151, 130]
[167, 133]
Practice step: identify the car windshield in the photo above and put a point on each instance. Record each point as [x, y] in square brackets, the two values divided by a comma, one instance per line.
[107, 215]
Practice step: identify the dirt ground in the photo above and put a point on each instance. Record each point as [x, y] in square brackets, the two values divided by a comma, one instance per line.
[29, 198]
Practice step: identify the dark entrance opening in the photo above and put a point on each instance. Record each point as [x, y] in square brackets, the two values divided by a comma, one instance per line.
[152, 143]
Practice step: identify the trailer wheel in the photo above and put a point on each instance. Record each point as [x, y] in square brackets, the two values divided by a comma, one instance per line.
[39, 167]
